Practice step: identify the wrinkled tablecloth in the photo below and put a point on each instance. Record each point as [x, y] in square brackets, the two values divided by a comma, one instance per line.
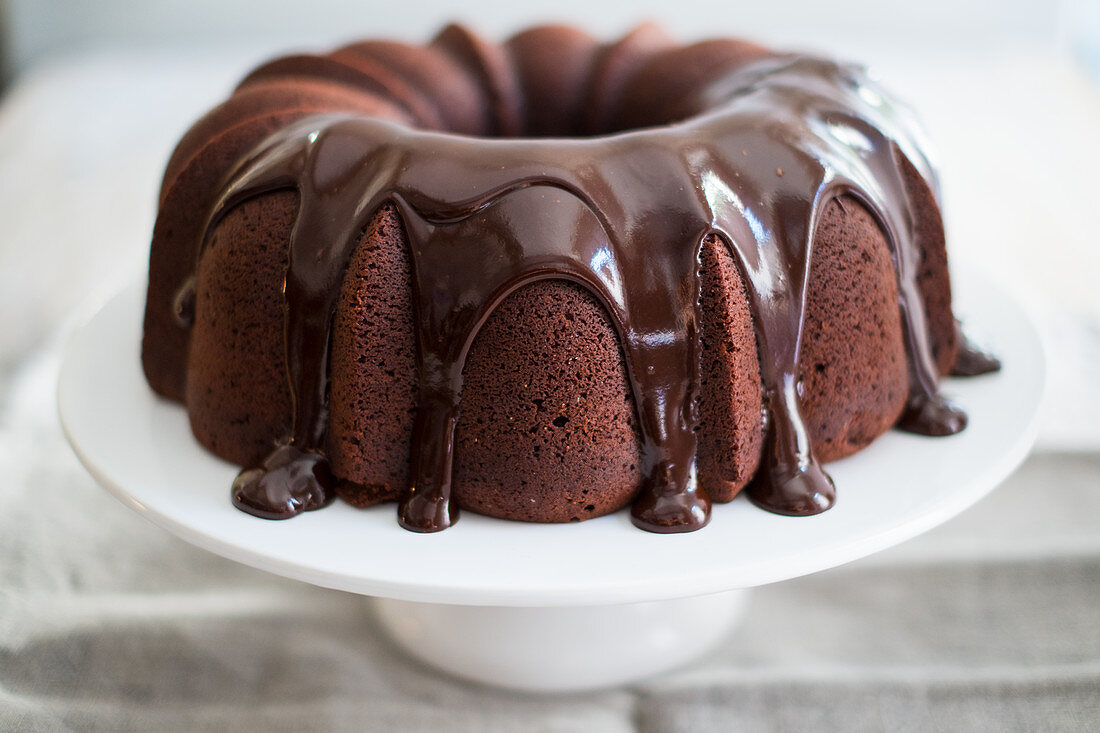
[989, 622]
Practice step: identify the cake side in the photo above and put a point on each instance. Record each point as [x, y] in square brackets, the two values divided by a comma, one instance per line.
[195, 172]
[548, 424]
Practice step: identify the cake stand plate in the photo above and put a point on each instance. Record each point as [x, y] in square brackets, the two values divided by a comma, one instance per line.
[550, 607]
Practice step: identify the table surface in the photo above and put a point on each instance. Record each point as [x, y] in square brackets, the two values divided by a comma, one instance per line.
[106, 622]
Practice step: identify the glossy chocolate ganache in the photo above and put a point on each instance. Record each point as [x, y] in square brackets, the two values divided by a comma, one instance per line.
[755, 156]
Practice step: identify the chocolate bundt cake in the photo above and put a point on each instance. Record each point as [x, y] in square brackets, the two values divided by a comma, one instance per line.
[548, 279]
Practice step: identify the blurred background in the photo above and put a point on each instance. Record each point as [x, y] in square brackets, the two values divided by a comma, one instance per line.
[39, 29]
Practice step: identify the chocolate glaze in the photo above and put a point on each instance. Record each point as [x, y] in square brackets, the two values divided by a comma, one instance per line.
[759, 153]
[972, 360]
[287, 482]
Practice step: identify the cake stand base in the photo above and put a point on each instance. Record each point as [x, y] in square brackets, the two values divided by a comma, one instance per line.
[561, 649]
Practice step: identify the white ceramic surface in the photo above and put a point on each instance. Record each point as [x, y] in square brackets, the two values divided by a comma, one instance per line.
[140, 448]
[561, 649]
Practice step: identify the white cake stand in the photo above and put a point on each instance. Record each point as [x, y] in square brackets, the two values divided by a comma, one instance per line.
[550, 607]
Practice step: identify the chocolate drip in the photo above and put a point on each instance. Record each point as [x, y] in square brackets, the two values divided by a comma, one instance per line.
[972, 359]
[623, 216]
[287, 482]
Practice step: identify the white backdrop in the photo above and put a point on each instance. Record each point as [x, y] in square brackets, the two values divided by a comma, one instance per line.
[43, 27]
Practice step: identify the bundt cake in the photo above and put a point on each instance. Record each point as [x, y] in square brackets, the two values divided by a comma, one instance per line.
[548, 279]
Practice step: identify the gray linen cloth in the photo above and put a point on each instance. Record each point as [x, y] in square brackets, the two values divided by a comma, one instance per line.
[990, 622]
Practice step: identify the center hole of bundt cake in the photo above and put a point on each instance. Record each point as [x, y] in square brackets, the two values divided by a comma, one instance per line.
[558, 81]
[548, 81]
[552, 107]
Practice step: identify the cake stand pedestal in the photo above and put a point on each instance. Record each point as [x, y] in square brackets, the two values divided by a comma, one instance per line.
[550, 607]
[561, 649]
